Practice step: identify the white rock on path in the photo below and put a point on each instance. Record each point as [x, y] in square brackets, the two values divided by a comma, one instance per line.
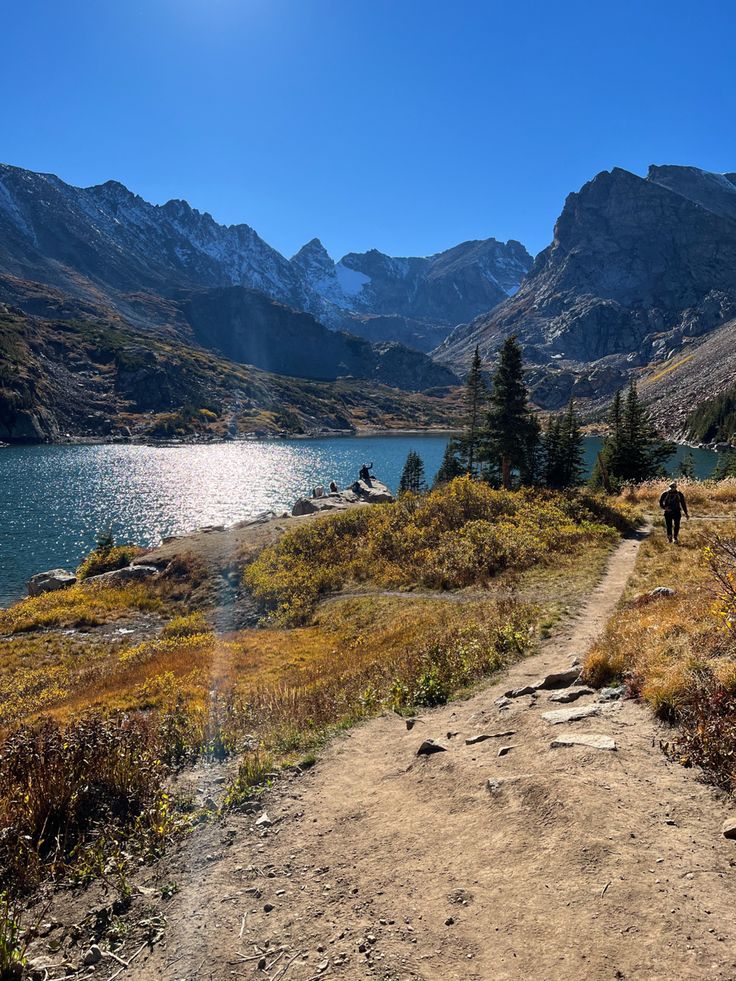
[591, 740]
[570, 694]
[571, 714]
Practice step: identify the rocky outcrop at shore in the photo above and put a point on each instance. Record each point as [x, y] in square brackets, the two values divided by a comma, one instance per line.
[361, 492]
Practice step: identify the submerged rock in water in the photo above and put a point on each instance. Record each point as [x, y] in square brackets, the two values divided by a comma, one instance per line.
[50, 581]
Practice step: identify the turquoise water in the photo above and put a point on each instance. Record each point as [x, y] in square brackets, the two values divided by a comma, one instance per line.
[56, 499]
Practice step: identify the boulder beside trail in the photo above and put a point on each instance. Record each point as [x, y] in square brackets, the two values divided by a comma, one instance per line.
[129, 573]
[50, 581]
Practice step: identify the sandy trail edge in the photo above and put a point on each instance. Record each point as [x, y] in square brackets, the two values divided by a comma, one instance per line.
[590, 864]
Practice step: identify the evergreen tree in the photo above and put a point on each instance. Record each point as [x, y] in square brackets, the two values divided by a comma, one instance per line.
[552, 446]
[633, 450]
[563, 450]
[476, 397]
[412, 476]
[511, 438]
[726, 467]
[451, 466]
[686, 467]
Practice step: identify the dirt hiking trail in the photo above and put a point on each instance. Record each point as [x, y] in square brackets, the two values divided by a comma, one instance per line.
[573, 863]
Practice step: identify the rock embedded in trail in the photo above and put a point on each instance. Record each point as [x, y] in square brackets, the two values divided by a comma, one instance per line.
[611, 694]
[50, 581]
[558, 679]
[519, 692]
[570, 694]
[505, 750]
[474, 740]
[591, 740]
[729, 828]
[571, 714]
[429, 747]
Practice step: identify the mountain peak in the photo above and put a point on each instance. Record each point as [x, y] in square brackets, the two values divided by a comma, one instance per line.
[313, 248]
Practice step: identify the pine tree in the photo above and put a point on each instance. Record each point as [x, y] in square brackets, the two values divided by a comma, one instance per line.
[686, 467]
[726, 467]
[450, 467]
[412, 476]
[633, 451]
[563, 450]
[476, 397]
[512, 431]
[552, 446]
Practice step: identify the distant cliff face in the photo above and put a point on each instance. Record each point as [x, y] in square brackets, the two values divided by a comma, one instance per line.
[638, 267]
[425, 297]
[105, 240]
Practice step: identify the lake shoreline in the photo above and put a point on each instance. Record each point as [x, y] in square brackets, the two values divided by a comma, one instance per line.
[193, 440]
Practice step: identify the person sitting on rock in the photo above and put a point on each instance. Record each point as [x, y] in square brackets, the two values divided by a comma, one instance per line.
[673, 504]
[334, 489]
[365, 473]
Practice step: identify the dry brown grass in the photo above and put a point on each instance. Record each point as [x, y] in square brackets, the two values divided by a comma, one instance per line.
[704, 496]
[678, 653]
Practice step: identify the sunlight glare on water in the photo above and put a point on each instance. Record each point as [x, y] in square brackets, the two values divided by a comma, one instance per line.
[55, 500]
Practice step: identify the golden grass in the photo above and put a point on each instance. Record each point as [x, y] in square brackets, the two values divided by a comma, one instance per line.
[706, 496]
[460, 535]
[79, 606]
[660, 646]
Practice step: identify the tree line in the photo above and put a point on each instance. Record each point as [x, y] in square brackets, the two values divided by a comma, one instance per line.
[503, 442]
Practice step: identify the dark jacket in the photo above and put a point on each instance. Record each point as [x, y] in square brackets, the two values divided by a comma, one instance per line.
[674, 502]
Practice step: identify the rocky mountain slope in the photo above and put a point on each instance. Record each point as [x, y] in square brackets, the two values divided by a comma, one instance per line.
[105, 243]
[639, 269]
[72, 369]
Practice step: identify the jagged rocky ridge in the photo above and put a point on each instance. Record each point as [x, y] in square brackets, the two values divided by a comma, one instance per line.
[105, 241]
[638, 271]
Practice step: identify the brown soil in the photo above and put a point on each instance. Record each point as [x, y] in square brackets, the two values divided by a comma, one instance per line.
[581, 864]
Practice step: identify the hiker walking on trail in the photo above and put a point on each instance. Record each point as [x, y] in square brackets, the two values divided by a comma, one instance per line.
[673, 504]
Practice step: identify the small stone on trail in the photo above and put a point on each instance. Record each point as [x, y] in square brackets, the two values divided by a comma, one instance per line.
[451, 735]
[449, 921]
[429, 747]
[570, 694]
[571, 714]
[518, 692]
[472, 740]
[558, 679]
[503, 702]
[729, 828]
[93, 956]
[410, 723]
[268, 907]
[504, 750]
[590, 740]
[264, 821]
[611, 694]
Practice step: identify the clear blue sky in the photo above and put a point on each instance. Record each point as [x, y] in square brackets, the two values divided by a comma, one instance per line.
[405, 125]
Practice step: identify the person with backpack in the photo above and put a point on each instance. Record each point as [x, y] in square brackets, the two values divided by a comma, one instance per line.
[673, 504]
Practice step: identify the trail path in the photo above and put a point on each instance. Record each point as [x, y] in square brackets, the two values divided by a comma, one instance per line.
[579, 863]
